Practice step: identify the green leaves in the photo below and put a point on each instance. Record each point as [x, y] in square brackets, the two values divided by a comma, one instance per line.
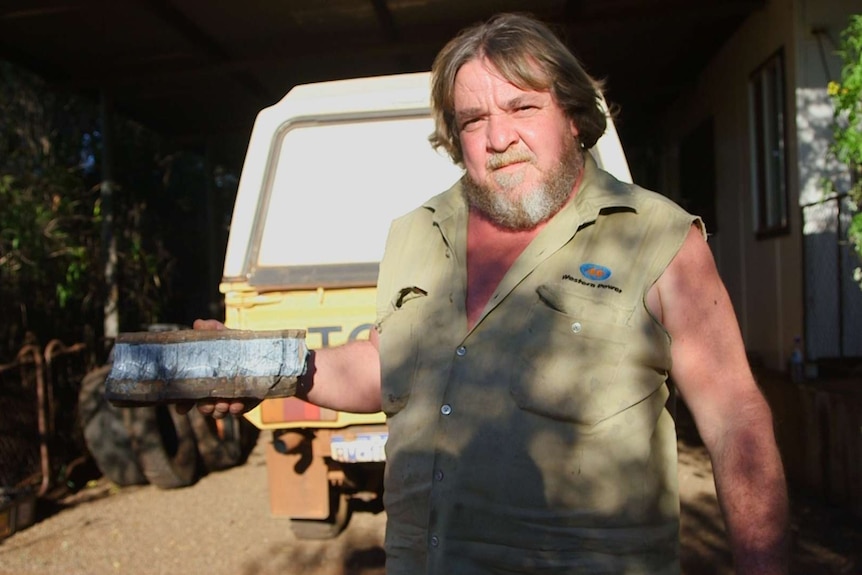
[846, 96]
[45, 236]
[51, 254]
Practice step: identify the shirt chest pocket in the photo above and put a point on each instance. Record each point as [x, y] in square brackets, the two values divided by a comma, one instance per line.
[571, 357]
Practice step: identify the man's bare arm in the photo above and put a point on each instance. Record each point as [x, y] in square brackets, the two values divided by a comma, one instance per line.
[711, 371]
[344, 378]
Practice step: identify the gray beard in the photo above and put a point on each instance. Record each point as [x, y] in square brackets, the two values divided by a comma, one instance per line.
[532, 207]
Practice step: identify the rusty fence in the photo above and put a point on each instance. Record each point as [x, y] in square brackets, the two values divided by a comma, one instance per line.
[40, 438]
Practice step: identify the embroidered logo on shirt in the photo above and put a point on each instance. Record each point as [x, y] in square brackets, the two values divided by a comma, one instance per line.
[596, 274]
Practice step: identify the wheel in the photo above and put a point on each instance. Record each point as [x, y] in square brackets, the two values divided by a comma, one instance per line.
[105, 433]
[221, 442]
[164, 444]
[339, 516]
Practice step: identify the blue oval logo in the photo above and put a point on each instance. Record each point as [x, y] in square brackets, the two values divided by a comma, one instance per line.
[595, 272]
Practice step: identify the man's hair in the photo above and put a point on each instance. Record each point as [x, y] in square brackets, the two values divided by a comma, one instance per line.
[529, 55]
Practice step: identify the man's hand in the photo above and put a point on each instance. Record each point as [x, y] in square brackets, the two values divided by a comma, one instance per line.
[216, 408]
[208, 324]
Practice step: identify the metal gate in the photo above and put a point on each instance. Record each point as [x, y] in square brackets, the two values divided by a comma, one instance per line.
[40, 438]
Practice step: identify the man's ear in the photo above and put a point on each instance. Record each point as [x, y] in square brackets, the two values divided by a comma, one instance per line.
[574, 129]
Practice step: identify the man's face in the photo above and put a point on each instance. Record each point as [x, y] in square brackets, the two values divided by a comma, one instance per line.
[519, 147]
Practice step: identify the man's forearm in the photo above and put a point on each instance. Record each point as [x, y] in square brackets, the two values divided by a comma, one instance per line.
[752, 492]
[344, 378]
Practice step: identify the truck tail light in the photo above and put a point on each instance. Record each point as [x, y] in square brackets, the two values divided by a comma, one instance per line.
[291, 409]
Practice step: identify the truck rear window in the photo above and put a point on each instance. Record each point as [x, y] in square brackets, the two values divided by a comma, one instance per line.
[337, 186]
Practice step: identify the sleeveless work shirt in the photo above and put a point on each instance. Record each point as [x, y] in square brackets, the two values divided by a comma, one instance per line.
[538, 441]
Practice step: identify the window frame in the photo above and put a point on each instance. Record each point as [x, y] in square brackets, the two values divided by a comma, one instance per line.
[767, 114]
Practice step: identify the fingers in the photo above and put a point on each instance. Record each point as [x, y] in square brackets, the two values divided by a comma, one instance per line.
[217, 409]
[237, 408]
[220, 409]
[183, 407]
[208, 324]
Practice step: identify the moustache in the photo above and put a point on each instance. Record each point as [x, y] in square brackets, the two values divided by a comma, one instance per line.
[497, 161]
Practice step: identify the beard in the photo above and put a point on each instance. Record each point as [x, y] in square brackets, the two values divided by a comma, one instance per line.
[500, 201]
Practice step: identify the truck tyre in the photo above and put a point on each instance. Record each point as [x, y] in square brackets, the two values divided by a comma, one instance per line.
[339, 516]
[105, 433]
[220, 441]
[164, 444]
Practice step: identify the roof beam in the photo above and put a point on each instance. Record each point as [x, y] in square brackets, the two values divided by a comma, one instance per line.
[628, 10]
[176, 19]
[386, 21]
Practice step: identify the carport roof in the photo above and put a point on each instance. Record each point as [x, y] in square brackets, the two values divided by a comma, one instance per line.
[199, 70]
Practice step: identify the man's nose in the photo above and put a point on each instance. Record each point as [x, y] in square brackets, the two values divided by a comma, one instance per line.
[501, 133]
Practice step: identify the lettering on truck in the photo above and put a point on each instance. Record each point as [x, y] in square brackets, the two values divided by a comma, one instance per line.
[325, 332]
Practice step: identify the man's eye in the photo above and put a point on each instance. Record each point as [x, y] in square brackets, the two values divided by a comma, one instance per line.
[470, 124]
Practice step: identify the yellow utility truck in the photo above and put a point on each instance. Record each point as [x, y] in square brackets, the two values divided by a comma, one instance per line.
[327, 169]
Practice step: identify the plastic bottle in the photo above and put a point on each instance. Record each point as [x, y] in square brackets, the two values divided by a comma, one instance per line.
[797, 361]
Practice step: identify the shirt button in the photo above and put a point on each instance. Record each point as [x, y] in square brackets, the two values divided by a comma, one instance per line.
[446, 409]
[461, 351]
[577, 327]
[438, 475]
[435, 541]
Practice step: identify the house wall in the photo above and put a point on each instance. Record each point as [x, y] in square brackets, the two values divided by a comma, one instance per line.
[784, 284]
[818, 28]
[833, 301]
[764, 276]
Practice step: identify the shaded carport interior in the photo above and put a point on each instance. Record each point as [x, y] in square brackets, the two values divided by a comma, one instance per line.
[198, 71]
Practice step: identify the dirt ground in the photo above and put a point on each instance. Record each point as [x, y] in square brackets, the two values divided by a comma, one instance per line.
[824, 540]
[221, 526]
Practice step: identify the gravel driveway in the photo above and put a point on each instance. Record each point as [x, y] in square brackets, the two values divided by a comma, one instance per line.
[221, 526]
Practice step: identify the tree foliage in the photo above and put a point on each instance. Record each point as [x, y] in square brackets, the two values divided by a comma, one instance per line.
[51, 254]
[45, 208]
[846, 97]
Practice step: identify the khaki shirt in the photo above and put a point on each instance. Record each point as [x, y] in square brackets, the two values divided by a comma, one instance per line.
[538, 440]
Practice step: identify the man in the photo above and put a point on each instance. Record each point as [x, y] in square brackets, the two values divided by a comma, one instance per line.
[528, 319]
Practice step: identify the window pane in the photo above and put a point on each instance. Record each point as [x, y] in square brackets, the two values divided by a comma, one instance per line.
[361, 179]
[768, 178]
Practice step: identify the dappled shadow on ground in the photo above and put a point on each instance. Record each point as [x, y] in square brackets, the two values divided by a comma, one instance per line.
[826, 540]
[358, 551]
[704, 549]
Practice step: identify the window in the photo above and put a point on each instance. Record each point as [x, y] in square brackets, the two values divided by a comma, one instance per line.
[768, 162]
[385, 168]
